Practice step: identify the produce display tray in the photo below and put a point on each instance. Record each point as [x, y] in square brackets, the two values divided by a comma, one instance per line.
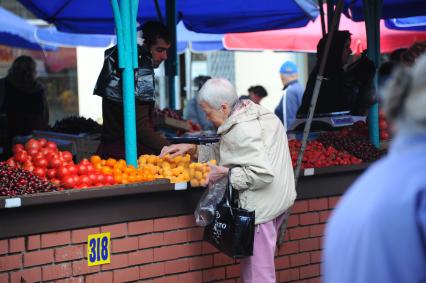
[194, 140]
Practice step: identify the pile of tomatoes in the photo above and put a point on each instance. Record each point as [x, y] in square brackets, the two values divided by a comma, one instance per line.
[43, 159]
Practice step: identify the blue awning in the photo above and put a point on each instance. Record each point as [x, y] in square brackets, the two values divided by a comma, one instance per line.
[410, 23]
[207, 16]
[16, 32]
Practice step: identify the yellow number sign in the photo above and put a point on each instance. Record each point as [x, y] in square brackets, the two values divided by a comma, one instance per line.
[98, 249]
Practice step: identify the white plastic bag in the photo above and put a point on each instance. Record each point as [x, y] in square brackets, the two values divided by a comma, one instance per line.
[205, 211]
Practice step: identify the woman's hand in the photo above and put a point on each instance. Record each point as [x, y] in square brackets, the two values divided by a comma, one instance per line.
[178, 149]
[216, 173]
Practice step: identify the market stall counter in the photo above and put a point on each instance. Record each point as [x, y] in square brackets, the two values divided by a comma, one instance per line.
[147, 231]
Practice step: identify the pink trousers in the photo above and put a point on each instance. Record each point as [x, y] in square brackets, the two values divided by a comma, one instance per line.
[260, 268]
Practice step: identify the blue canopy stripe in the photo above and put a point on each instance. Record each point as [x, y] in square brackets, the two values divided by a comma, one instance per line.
[409, 23]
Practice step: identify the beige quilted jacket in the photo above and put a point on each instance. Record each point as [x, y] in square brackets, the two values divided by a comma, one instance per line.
[254, 144]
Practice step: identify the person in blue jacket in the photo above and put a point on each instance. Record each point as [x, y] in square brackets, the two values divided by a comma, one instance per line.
[377, 232]
[292, 94]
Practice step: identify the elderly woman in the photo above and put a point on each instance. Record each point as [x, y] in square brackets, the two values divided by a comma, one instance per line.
[378, 230]
[253, 145]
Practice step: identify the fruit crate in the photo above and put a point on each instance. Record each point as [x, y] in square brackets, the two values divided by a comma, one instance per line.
[171, 123]
[82, 145]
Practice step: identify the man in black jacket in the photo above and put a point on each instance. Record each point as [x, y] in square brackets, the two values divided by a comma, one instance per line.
[151, 54]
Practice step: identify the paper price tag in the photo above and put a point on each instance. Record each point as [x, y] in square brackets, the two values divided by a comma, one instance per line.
[12, 202]
[181, 186]
[98, 249]
[309, 172]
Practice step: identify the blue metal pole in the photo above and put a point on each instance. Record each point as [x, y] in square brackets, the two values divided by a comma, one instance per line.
[372, 12]
[172, 60]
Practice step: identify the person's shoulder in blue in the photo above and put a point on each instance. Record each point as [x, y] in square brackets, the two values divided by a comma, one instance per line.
[378, 231]
[291, 100]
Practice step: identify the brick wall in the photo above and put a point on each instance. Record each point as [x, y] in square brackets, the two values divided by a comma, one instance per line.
[161, 250]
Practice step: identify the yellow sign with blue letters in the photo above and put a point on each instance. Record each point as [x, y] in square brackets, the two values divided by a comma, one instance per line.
[98, 249]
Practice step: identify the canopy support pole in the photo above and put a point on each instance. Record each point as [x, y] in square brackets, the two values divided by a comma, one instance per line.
[321, 6]
[172, 62]
[125, 20]
[331, 30]
[372, 12]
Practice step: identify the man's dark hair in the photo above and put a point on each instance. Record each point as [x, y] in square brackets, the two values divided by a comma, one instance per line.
[395, 55]
[199, 81]
[153, 30]
[258, 90]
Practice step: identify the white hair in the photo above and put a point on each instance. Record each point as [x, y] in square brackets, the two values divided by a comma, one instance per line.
[405, 97]
[217, 91]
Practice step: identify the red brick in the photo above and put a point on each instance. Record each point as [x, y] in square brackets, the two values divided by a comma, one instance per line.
[33, 242]
[289, 248]
[318, 204]
[316, 256]
[309, 218]
[38, 257]
[151, 270]
[81, 268]
[52, 272]
[175, 237]
[151, 240]
[126, 275]
[26, 275]
[79, 279]
[4, 247]
[195, 234]
[16, 245]
[141, 257]
[117, 261]
[191, 277]
[299, 259]
[300, 206]
[186, 221]
[104, 277]
[315, 280]
[213, 274]
[300, 281]
[282, 262]
[55, 239]
[293, 220]
[324, 215]
[233, 271]
[309, 271]
[309, 244]
[80, 236]
[146, 281]
[140, 227]
[124, 245]
[69, 253]
[4, 277]
[289, 275]
[299, 233]
[332, 201]
[165, 224]
[316, 230]
[207, 248]
[117, 230]
[200, 262]
[228, 281]
[167, 279]
[222, 259]
[177, 251]
[176, 266]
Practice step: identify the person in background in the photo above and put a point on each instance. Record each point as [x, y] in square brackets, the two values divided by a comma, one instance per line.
[409, 56]
[254, 146]
[292, 94]
[342, 89]
[153, 51]
[22, 101]
[255, 93]
[193, 110]
[377, 232]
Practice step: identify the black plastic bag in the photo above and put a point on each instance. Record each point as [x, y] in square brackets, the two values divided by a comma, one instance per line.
[232, 230]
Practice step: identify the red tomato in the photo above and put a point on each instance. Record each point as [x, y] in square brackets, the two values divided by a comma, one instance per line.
[73, 169]
[22, 156]
[11, 162]
[63, 171]
[52, 145]
[32, 143]
[51, 173]
[85, 180]
[90, 168]
[85, 161]
[68, 182]
[40, 162]
[82, 169]
[28, 166]
[55, 181]
[67, 156]
[40, 172]
[93, 177]
[101, 178]
[42, 142]
[17, 148]
[45, 151]
[32, 151]
[110, 179]
[54, 163]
